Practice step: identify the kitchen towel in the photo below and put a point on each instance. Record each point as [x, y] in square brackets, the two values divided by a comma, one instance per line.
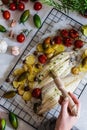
[50, 125]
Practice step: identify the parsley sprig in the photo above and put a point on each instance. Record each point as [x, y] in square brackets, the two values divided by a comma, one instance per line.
[66, 5]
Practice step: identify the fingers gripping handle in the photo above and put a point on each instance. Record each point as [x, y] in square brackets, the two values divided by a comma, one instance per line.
[72, 105]
[60, 86]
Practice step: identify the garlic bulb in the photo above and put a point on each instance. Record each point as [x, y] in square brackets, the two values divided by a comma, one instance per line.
[3, 46]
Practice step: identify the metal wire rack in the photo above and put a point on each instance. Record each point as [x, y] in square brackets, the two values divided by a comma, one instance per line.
[53, 18]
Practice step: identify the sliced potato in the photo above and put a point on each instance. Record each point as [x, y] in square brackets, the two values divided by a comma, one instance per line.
[58, 48]
[49, 50]
[16, 84]
[30, 60]
[37, 68]
[28, 68]
[82, 69]
[39, 48]
[49, 55]
[27, 96]
[31, 77]
[21, 90]
[84, 54]
[25, 66]
[18, 71]
[31, 85]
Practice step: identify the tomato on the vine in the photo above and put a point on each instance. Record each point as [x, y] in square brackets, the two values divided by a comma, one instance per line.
[42, 58]
[20, 37]
[6, 14]
[12, 6]
[37, 6]
[20, 6]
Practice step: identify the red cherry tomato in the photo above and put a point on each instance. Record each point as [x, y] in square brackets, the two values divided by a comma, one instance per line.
[6, 14]
[21, 6]
[78, 43]
[64, 33]
[57, 40]
[73, 33]
[20, 37]
[12, 6]
[68, 42]
[37, 6]
[36, 92]
[42, 59]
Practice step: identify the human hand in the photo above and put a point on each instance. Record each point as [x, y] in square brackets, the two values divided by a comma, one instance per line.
[65, 120]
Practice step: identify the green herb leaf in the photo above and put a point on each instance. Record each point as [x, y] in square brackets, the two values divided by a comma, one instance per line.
[66, 5]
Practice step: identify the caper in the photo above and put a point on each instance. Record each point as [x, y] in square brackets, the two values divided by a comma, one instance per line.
[26, 88]
[37, 65]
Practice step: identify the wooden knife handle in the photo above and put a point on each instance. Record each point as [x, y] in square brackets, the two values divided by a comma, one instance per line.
[72, 106]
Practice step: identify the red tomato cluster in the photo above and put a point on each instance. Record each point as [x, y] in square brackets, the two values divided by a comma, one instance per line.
[17, 5]
[68, 38]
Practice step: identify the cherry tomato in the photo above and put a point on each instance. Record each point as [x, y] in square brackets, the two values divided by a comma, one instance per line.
[57, 40]
[68, 42]
[21, 6]
[73, 33]
[64, 33]
[42, 58]
[12, 6]
[37, 6]
[78, 43]
[6, 14]
[46, 43]
[20, 37]
[36, 92]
